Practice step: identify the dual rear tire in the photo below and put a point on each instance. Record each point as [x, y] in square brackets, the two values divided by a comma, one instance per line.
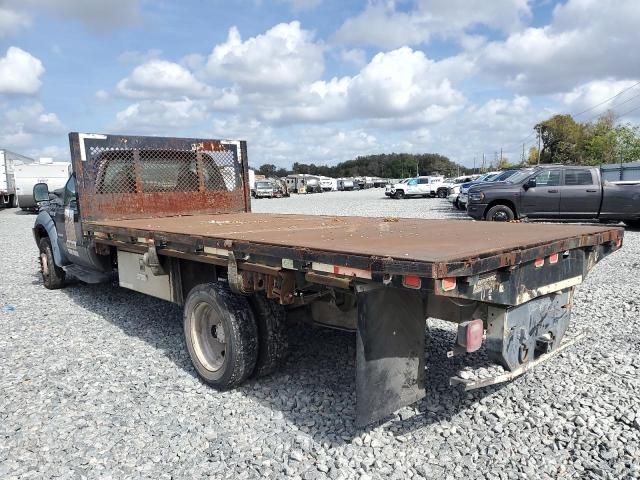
[230, 337]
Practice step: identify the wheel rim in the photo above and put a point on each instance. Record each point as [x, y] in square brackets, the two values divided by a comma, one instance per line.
[208, 337]
[44, 265]
[500, 216]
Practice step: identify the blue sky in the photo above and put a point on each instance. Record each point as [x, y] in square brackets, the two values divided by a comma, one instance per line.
[312, 80]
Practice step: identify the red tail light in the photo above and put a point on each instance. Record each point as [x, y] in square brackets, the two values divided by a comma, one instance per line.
[470, 334]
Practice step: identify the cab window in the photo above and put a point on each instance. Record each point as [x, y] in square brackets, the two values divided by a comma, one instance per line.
[70, 190]
[548, 178]
[578, 177]
[424, 181]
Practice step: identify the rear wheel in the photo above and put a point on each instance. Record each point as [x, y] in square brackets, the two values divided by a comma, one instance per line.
[52, 274]
[500, 213]
[273, 344]
[221, 335]
[632, 224]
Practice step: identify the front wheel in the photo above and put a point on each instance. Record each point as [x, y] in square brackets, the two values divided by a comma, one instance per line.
[500, 213]
[399, 194]
[221, 335]
[52, 274]
[442, 194]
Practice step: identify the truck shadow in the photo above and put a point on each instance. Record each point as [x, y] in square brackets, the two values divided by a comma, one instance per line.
[314, 390]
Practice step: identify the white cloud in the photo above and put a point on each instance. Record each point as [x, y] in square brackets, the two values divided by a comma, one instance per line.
[161, 116]
[20, 72]
[137, 56]
[159, 78]
[283, 57]
[586, 40]
[382, 24]
[397, 84]
[594, 93]
[11, 21]
[355, 56]
[19, 126]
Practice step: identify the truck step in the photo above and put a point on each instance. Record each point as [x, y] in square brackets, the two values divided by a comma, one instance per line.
[494, 374]
[88, 275]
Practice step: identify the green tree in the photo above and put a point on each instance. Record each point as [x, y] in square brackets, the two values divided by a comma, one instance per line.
[560, 139]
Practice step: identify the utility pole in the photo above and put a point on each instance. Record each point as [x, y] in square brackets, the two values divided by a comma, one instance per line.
[522, 155]
[474, 164]
[417, 170]
[500, 157]
[539, 151]
[483, 160]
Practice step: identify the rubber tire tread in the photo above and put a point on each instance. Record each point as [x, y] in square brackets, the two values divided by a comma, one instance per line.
[55, 279]
[273, 338]
[241, 329]
[495, 208]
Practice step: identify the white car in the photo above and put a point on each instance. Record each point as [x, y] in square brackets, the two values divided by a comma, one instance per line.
[412, 187]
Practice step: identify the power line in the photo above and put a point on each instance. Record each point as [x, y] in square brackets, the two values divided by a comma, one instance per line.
[524, 140]
[607, 100]
[629, 111]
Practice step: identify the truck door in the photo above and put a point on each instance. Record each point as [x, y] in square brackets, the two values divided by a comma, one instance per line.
[423, 186]
[543, 200]
[411, 187]
[68, 225]
[580, 195]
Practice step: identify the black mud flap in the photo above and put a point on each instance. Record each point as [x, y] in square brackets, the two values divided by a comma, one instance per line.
[390, 352]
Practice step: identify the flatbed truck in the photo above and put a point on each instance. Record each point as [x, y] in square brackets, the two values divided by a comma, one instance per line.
[171, 218]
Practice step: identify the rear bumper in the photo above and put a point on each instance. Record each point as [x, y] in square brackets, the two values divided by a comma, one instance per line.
[476, 210]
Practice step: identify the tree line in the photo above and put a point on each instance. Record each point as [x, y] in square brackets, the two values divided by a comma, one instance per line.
[385, 165]
[564, 140]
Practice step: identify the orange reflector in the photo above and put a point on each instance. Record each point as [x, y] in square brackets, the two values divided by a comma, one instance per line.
[411, 281]
[553, 258]
[539, 262]
[448, 284]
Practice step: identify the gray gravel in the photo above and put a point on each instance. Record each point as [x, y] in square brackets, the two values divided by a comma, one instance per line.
[95, 382]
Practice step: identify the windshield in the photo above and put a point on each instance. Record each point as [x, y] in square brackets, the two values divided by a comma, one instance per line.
[264, 185]
[520, 175]
[503, 176]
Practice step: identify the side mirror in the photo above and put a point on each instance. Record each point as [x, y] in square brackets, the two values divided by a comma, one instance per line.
[531, 183]
[41, 192]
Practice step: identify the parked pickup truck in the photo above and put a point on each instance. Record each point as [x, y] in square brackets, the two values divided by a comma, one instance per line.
[171, 218]
[557, 192]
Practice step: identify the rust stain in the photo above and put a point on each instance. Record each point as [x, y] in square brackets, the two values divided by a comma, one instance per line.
[439, 241]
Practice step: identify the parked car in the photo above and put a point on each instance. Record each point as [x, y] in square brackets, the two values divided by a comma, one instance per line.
[345, 184]
[390, 186]
[498, 177]
[557, 192]
[413, 187]
[442, 189]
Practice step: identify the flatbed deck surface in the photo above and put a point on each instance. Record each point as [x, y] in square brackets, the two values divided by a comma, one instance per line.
[399, 238]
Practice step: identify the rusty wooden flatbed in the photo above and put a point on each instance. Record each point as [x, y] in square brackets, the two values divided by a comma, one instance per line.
[435, 247]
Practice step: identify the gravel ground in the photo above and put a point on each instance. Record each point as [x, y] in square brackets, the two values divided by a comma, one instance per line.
[95, 382]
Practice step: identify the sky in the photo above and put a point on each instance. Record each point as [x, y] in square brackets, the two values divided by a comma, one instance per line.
[319, 81]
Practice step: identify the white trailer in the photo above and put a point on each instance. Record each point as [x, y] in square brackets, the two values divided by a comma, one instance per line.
[8, 161]
[54, 174]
